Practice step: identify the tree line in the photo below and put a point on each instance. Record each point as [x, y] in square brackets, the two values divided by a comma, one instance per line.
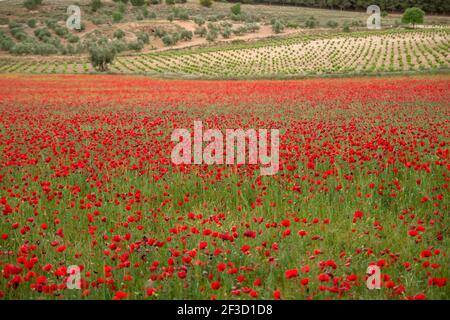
[429, 6]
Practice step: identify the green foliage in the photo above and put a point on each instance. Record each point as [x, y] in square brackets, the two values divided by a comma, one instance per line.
[33, 47]
[206, 3]
[4, 20]
[201, 31]
[413, 16]
[159, 32]
[170, 39]
[61, 31]
[121, 7]
[186, 35]
[6, 43]
[17, 31]
[31, 23]
[143, 37]
[32, 4]
[119, 34]
[212, 35]
[226, 32]
[332, 24]
[101, 56]
[137, 3]
[117, 16]
[199, 20]
[170, 2]
[51, 23]
[430, 6]
[95, 5]
[136, 45]
[346, 27]
[119, 45]
[311, 23]
[277, 26]
[73, 38]
[145, 12]
[42, 33]
[236, 9]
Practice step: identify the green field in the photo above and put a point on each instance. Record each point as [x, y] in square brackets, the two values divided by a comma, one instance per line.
[329, 54]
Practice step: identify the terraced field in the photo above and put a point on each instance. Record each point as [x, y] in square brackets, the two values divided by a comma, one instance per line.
[359, 53]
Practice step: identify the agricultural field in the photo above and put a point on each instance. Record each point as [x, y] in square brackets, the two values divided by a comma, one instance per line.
[357, 53]
[86, 179]
[185, 39]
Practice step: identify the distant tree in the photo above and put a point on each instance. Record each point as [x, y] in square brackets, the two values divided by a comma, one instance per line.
[236, 9]
[32, 4]
[206, 3]
[102, 56]
[95, 5]
[277, 26]
[413, 15]
[117, 16]
[137, 3]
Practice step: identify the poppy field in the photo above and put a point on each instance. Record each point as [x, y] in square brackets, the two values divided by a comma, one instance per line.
[86, 180]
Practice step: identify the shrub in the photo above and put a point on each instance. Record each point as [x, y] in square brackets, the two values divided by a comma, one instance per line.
[168, 40]
[61, 31]
[51, 23]
[346, 28]
[212, 35]
[236, 9]
[311, 22]
[206, 3]
[201, 31]
[186, 35]
[277, 26]
[143, 36]
[18, 33]
[226, 33]
[159, 32]
[31, 23]
[155, 2]
[199, 20]
[119, 45]
[292, 25]
[32, 4]
[95, 5]
[413, 16]
[42, 33]
[33, 47]
[102, 56]
[332, 24]
[136, 45]
[119, 34]
[117, 16]
[121, 7]
[6, 43]
[252, 27]
[73, 38]
[98, 21]
[170, 2]
[137, 3]
[183, 15]
[145, 12]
